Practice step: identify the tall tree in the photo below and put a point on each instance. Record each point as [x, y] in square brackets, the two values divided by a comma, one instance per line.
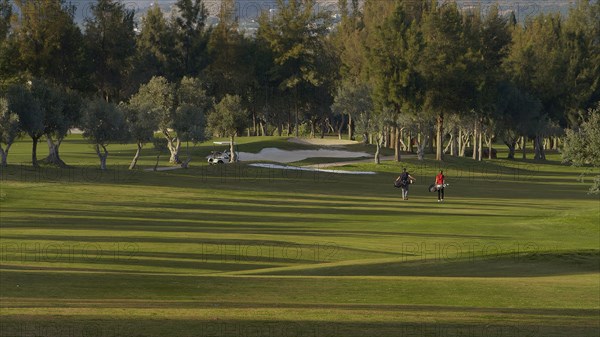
[190, 35]
[154, 45]
[9, 130]
[581, 34]
[9, 56]
[48, 40]
[228, 118]
[23, 102]
[103, 123]
[349, 43]
[295, 35]
[395, 53]
[228, 72]
[537, 65]
[110, 46]
[487, 41]
[445, 66]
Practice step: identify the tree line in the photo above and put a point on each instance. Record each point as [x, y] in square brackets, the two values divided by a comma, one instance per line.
[413, 75]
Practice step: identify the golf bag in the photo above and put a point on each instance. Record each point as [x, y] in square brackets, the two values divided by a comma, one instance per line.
[434, 187]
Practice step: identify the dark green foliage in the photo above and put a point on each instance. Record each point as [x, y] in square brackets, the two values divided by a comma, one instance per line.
[110, 47]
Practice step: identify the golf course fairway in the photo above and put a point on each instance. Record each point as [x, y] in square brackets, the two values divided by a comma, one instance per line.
[236, 250]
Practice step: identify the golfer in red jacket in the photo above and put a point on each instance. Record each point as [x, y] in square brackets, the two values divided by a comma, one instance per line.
[440, 180]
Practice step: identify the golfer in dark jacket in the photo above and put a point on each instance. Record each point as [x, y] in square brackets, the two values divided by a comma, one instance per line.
[405, 180]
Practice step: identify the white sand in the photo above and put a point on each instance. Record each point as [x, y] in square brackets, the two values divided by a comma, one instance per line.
[285, 156]
[296, 168]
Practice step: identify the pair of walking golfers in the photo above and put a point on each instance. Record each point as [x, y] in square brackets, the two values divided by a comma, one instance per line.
[405, 179]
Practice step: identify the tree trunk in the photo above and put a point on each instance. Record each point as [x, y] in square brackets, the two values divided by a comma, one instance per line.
[480, 144]
[511, 144]
[233, 158]
[439, 142]
[475, 130]
[421, 150]
[379, 141]
[297, 119]
[401, 141]
[102, 156]
[463, 140]
[460, 143]
[174, 147]
[341, 125]
[188, 159]
[490, 145]
[386, 137]
[449, 146]
[53, 154]
[410, 143]
[524, 147]
[34, 160]
[396, 144]
[421, 144]
[156, 164]
[136, 157]
[539, 149]
[173, 144]
[350, 134]
[454, 147]
[4, 154]
[430, 140]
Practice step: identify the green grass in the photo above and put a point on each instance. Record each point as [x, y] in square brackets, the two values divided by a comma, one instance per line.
[234, 250]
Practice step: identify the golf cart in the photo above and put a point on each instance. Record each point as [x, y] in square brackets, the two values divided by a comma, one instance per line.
[221, 157]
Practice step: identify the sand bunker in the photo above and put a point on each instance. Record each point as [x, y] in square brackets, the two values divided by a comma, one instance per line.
[284, 156]
[296, 168]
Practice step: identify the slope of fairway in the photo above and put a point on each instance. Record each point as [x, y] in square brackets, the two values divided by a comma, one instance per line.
[235, 250]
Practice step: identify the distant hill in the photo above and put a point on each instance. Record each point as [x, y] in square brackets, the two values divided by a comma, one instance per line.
[247, 10]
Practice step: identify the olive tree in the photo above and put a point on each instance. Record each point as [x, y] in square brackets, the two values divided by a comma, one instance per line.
[23, 102]
[9, 129]
[227, 118]
[582, 145]
[103, 123]
[178, 110]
